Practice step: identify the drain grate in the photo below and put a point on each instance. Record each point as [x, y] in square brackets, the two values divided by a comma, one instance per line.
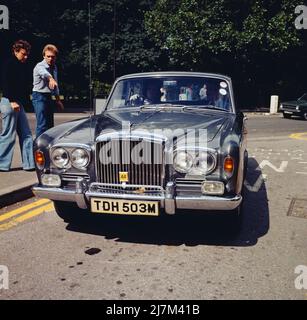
[298, 208]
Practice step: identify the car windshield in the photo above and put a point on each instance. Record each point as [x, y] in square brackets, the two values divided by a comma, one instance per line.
[198, 92]
[303, 97]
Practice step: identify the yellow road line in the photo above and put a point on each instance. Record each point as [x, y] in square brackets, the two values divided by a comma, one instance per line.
[299, 136]
[28, 207]
[24, 217]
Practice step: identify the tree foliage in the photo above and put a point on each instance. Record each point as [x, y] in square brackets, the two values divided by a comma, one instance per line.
[253, 41]
[190, 28]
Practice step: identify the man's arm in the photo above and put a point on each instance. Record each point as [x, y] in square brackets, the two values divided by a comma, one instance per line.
[43, 73]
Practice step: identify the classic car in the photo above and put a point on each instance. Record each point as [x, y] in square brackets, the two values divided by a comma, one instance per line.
[295, 108]
[164, 141]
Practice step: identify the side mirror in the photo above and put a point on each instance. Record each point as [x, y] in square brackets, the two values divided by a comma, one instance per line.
[99, 105]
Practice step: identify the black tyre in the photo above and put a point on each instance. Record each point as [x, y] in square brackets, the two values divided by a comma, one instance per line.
[68, 211]
[236, 216]
[305, 116]
[286, 115]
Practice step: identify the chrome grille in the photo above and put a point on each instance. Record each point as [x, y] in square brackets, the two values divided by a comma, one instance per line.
[188, 186]
[142, 159]
[289, 107]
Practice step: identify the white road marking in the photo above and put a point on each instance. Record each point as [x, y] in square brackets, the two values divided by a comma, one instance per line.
[281, 169]
[257, 185]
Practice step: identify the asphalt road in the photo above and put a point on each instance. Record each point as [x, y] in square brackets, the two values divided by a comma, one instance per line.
[184, 257]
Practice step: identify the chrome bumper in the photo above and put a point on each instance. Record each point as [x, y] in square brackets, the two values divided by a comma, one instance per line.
[168, 200]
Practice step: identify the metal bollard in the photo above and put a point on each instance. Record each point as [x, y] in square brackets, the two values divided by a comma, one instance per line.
[274, 104]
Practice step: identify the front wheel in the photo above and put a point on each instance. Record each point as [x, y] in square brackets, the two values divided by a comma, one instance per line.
[304, 116]
[68, 211]
[235, 221]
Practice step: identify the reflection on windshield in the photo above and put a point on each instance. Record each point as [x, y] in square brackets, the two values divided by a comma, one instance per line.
[185, 91]
[303, 97]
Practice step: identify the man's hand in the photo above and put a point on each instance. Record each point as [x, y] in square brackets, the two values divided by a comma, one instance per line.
[52, 83]
[15, 106]
[60, 105]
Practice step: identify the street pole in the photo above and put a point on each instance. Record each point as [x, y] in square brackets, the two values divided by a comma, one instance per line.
[90, 55]
[114, 40]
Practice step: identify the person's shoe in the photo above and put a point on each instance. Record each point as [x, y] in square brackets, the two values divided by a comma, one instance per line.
[29, 170]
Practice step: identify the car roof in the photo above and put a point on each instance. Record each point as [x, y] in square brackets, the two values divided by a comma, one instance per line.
[174, 73]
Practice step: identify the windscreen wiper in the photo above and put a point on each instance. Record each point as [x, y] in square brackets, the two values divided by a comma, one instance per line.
[204, 107]
[164, 106]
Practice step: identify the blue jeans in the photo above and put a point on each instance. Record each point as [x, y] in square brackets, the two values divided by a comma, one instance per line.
[12, 122]
[44, 110]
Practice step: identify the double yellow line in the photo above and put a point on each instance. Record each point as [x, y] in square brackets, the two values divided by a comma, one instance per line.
[299, 136]
[14, 217]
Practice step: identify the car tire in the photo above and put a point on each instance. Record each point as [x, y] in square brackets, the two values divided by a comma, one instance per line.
[236, 216]
[68, 211]
[235, 221]
[286, 115]
[305, 116]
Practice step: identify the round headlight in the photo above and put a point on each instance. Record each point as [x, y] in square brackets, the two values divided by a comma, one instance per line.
[80, 158]
[206, 162]
[183, 162]
[60, 158]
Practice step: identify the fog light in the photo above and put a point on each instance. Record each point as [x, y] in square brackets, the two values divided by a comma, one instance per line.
[213, 188]
[51, 180]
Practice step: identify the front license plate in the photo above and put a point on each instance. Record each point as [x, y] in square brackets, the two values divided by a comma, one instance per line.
[125, 207]
[288, 112]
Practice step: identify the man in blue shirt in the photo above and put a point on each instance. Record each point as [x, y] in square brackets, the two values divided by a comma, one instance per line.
[45, 85]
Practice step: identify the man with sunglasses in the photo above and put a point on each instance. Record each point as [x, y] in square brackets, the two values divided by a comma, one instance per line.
[16, 91]
[45, 85]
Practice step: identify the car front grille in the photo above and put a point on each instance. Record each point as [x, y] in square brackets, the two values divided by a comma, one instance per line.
[289, 107]
[143, 161]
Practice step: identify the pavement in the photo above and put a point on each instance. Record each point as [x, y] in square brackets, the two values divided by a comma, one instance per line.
[15, 185]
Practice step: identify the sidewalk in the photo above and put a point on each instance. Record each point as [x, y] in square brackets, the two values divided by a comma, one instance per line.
[16, 184]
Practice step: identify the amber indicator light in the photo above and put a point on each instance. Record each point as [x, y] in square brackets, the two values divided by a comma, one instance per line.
[39, 158]
[228, 165]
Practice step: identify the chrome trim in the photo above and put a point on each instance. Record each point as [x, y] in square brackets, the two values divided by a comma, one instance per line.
[59, 194]
[73, 177]
[196, 150]
[208, 203]
[143, 173]
[88, 154]
[126, 188]
[170, 206]
[70, 148]
[68, 163]
[168, 200]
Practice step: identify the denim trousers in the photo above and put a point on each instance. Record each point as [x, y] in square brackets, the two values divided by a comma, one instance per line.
[12, 122]
[44, 110]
